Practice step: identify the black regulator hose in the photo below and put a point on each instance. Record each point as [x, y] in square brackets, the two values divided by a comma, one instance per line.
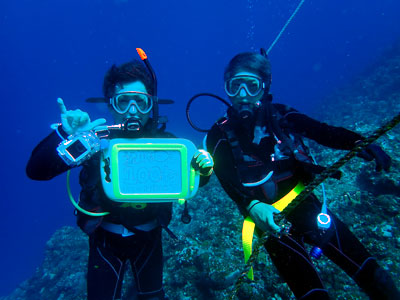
[190, 103]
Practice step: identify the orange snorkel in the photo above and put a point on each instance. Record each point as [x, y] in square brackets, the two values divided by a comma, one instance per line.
[143, 57]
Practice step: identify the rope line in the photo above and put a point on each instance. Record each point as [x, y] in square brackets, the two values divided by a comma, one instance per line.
[333, 168]
[286, 25]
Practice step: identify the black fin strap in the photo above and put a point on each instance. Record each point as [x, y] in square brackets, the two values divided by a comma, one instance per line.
[171, 234]
[186, 218]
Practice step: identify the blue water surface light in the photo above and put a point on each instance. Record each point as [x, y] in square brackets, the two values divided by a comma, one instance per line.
[63, 48]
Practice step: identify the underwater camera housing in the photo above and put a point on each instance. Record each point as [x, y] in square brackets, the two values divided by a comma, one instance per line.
[149, 170]
[78, 148]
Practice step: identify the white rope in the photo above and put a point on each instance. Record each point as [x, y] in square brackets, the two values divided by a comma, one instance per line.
[286, 25]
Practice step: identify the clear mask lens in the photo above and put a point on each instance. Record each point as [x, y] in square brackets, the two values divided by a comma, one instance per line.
[252, 84]
[123, 101]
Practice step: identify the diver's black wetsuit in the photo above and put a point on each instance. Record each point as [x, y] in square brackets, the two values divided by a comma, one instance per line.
[139, 240]
[230, 140]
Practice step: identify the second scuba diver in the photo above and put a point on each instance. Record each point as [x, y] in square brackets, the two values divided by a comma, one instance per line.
[128, 233]
[262, 165]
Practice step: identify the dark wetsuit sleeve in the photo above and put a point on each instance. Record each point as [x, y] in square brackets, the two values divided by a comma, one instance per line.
[225, 169]
[322, 133]
[44, 163]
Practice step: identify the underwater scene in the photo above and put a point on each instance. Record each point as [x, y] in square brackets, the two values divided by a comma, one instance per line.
[291, 102]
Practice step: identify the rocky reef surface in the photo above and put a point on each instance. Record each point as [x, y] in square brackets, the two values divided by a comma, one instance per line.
[207, 258]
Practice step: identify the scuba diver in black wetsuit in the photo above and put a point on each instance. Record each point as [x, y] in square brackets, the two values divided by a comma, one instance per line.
[262, 165]
[118, 232]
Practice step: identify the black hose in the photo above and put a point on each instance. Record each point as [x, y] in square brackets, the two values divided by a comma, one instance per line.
[190, 103]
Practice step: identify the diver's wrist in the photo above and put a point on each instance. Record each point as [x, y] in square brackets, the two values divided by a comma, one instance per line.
[206, 172]
[252, 204]
[61, 132]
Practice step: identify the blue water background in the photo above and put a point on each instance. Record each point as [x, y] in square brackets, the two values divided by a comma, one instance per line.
[61, 48]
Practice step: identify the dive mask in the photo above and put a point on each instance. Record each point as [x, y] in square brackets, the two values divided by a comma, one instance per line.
[122, 102]
[253, 85]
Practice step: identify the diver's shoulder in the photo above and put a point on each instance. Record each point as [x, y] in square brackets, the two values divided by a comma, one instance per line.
[284, 108]
[216, 132]
[167, 134]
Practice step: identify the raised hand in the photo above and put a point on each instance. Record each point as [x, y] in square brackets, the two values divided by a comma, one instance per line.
[75, 121]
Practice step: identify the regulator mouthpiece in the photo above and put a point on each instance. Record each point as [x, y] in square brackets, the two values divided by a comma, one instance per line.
[132, 124]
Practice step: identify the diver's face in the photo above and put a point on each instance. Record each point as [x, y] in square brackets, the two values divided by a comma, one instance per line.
[131, 101]
[245, 90]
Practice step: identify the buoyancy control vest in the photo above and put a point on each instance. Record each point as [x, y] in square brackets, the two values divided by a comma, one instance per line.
[269, 156]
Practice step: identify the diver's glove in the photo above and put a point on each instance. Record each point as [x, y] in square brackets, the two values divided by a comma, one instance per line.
[76, 121]
[263, 215]
[374, 152]
[203, 162]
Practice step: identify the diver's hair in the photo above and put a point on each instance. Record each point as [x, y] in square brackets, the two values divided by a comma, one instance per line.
[250, 62]
[126, 73]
